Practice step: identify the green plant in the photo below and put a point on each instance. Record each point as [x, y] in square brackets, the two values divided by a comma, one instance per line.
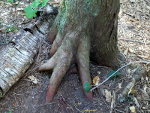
[10, 111]
[11, 1]
[31, 10]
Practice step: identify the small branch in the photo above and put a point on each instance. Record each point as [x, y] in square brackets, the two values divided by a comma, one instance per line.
[113, 102]
[128, 40]
[146, 62]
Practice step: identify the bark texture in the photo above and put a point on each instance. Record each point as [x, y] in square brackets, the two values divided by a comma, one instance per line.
[97, 19]
[104, 40]
[17, 56]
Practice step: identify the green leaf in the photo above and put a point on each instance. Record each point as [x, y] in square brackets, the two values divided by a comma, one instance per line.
[10, 1]
[113, 73]
[36, 4]
[87, 86]
[10, 111]
[44, 2]
[30, 11]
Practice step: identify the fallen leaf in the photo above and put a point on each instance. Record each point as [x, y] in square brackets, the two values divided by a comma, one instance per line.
[131, 50]
[79, 103]
[119, 85]
[126, 51]
[132, 91]
[99, 72]
[145, 95]
[96, 80]
[108, 95]
[144, 108]
[33, 79]
[132, 109]
[136, 102]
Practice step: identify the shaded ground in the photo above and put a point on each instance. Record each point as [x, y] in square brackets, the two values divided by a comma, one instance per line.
[134, 41]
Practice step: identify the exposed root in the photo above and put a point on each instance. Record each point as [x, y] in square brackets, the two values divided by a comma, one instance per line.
[48, 65]
[65, 50]
[57, 43]
[83, 62]
[52, 34]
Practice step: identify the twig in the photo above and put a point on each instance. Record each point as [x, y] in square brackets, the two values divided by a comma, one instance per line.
[136, 102]
[78, 109]
[41, 105]
[113, 102]
[147, 62]
[132, 41]
[119, 111]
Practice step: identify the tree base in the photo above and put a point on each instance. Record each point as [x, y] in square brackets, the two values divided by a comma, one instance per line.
[67, 50]
[76, 31]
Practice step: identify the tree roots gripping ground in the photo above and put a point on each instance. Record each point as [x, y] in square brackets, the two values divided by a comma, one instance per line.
[66, 50]
[79, 23]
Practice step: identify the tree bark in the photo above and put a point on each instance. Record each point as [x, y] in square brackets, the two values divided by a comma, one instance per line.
[99, 19]
[18, 55]
[104, 41]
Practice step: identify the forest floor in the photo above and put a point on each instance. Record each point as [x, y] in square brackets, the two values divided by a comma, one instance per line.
[28, 95]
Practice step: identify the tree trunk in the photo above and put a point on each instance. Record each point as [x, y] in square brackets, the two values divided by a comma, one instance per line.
[104, 40]
[99, 19]
[82, 27]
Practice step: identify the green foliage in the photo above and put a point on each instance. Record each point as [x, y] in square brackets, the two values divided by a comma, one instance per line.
[31, 10]
[10, 1]
[10, 111]
[87, 86]
[44, 2]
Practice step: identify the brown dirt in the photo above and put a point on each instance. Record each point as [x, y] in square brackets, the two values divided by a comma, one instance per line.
[27, 97]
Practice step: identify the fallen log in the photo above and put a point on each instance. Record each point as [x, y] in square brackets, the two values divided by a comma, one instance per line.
[18, 55]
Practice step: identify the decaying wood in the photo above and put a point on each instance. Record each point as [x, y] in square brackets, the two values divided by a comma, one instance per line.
[17, 56]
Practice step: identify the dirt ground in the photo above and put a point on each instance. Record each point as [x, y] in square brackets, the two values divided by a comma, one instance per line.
[28, 96]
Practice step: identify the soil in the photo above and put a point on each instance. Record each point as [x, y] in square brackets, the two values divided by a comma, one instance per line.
[28, 96]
